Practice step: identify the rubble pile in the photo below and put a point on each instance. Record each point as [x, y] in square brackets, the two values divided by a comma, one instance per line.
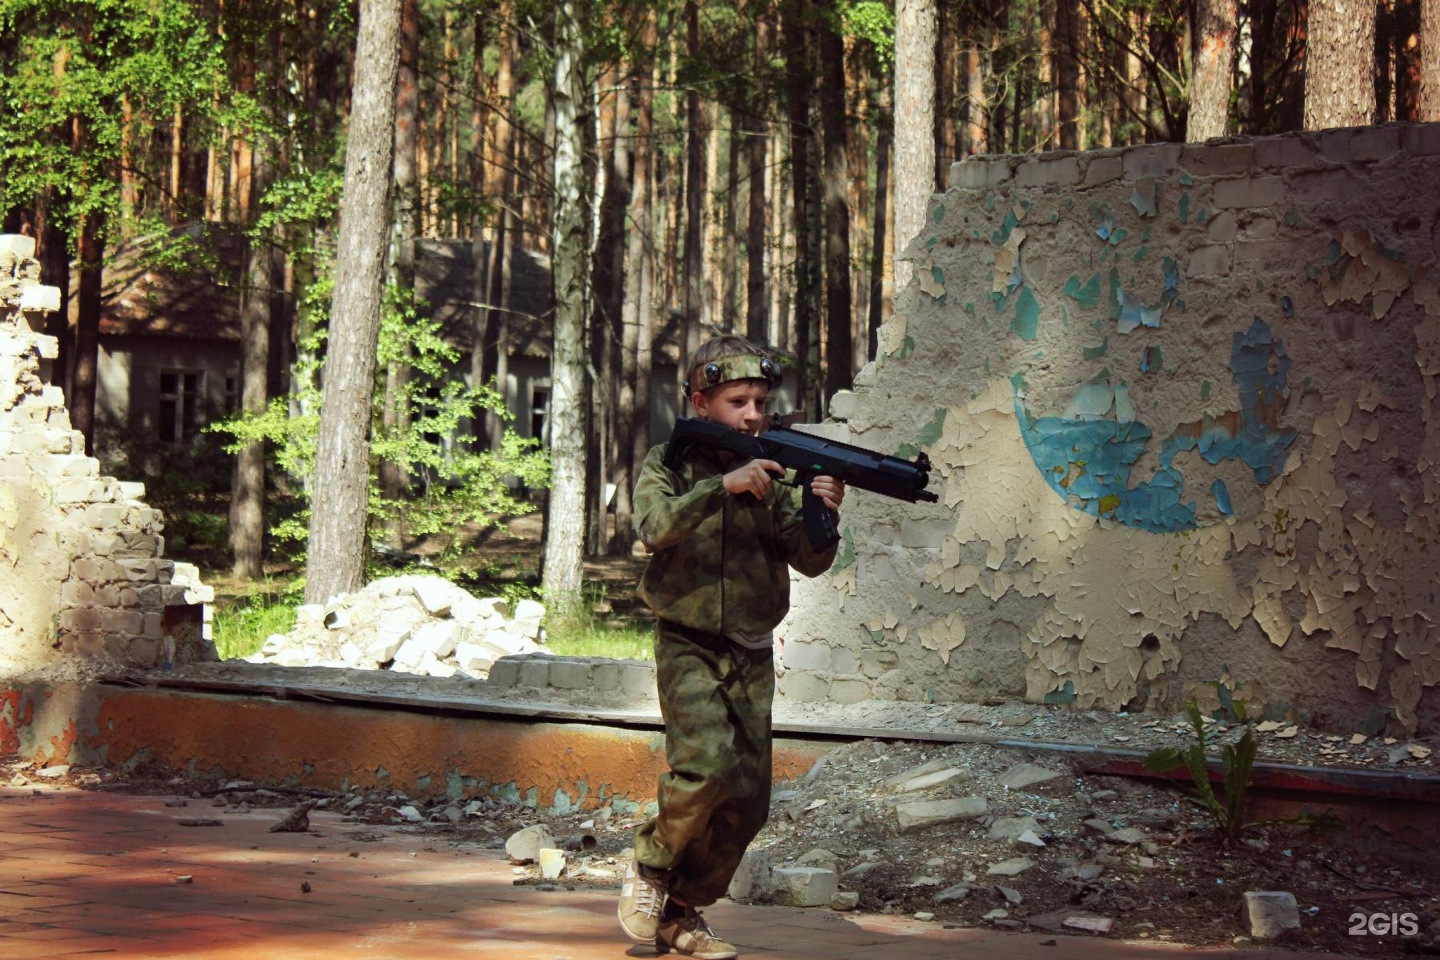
[417, 624]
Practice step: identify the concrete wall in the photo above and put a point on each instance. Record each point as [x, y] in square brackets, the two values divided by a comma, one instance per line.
[83, 584]
[1181, 404]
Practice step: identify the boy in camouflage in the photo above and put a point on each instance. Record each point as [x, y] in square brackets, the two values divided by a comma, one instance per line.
[723, 534]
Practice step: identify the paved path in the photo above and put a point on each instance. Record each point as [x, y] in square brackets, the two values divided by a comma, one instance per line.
[86, 874]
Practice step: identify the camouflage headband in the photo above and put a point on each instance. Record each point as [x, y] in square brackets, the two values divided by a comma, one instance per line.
[745, 367]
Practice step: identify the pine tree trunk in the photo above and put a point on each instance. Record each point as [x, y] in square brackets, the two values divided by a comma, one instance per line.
[247, 488]
[914, 125]
[839, 322]
[628, 336]
[1214, 57]
[693, 262]
[1339, 61]
[81, 399]
[177, 165]
[640, 279]
[1067, 72]
[336, 563]
[507, 232]
[799, 81]
[757, 306]
[395, 418]
[1430, 61]
[565, 512]
[879, 254]
[730, 267]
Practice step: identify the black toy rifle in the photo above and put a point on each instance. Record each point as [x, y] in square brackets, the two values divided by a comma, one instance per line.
[810, 457]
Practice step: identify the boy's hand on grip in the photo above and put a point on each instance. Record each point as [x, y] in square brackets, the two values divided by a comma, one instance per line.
[830, 491]
[754, 477]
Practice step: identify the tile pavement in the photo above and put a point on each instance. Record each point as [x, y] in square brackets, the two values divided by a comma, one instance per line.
[93, 874]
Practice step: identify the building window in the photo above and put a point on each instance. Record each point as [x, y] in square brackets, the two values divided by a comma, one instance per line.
[540, 413]
[180, 406]
[232, 393]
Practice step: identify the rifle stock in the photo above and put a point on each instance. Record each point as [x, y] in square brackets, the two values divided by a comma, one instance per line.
[810, 457]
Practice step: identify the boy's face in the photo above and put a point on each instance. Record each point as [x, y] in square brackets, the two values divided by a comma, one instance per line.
[739, 405]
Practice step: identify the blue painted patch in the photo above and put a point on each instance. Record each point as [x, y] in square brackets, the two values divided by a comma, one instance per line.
[1087, 454]
[1222, 496]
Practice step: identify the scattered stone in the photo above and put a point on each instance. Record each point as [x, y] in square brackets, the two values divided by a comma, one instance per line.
[924, 916]
[845, 900]
[805, 886]
[1026, 776]
[1031, 838]
[185, 878]
[1088, 923]
[53, 773]
[958, 892]
[1010, 868]
[413, 623]
[1011, 895]
[922, 814]
[296, 821]
[1011, 828]
[1269, 914]
[199, 822]
[752, 879]
[552, 863]
[525, 845]
[1127, 835]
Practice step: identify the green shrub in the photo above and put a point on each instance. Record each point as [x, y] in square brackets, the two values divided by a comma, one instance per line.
[242, 624]
[1236, 762]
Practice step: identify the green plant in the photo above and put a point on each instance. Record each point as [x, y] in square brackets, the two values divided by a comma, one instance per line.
[588, 633]
[455, 482]
[1236, 761]
[242, 624]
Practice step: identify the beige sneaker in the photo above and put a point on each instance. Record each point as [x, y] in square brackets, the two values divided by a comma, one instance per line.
[690, 936]
[640, 904]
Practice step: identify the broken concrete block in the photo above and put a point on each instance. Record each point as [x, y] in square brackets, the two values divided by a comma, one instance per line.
[805, 886]
[845, 900]
[1011, 828]
[1027, 776]
[1088, 923]
[921, 814]
[1010, 868]
[435, 594]
[752, 879]
[1269, 914]
[524, 846]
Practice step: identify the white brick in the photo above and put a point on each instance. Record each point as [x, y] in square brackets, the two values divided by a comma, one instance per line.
[41, 297]
[805, 886]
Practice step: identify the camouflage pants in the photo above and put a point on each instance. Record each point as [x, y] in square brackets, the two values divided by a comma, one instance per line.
[715, 697]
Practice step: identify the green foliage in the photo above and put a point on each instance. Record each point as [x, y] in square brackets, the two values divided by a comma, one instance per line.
[1236, 761]
[242, 624]
[454, 482]
[874, 23]
[86, 77]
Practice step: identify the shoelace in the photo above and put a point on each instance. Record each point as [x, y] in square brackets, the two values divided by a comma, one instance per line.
[649, 900]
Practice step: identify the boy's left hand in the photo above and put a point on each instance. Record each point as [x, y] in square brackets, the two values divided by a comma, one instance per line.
[829, 490]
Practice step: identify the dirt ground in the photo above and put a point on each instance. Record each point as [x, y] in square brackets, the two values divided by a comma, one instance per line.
[1135, 856]
[1132, 853]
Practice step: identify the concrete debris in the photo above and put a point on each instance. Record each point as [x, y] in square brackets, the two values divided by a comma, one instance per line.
[1088, 923]
[845, 900]
[413, 623]
[1027, 776]
[923, 814]
[297, 820]
[805, 886]
[525, 846]
[1010, 868]
[1269, 914]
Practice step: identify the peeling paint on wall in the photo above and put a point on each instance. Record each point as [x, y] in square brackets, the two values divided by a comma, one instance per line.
[1236, 451]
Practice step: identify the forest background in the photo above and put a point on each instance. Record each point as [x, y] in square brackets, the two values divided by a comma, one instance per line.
[742, 165]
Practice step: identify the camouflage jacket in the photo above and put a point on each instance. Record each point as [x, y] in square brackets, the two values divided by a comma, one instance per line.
[718, 564]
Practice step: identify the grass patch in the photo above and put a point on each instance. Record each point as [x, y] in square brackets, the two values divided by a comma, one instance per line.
[242, 623]
[593, 637]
